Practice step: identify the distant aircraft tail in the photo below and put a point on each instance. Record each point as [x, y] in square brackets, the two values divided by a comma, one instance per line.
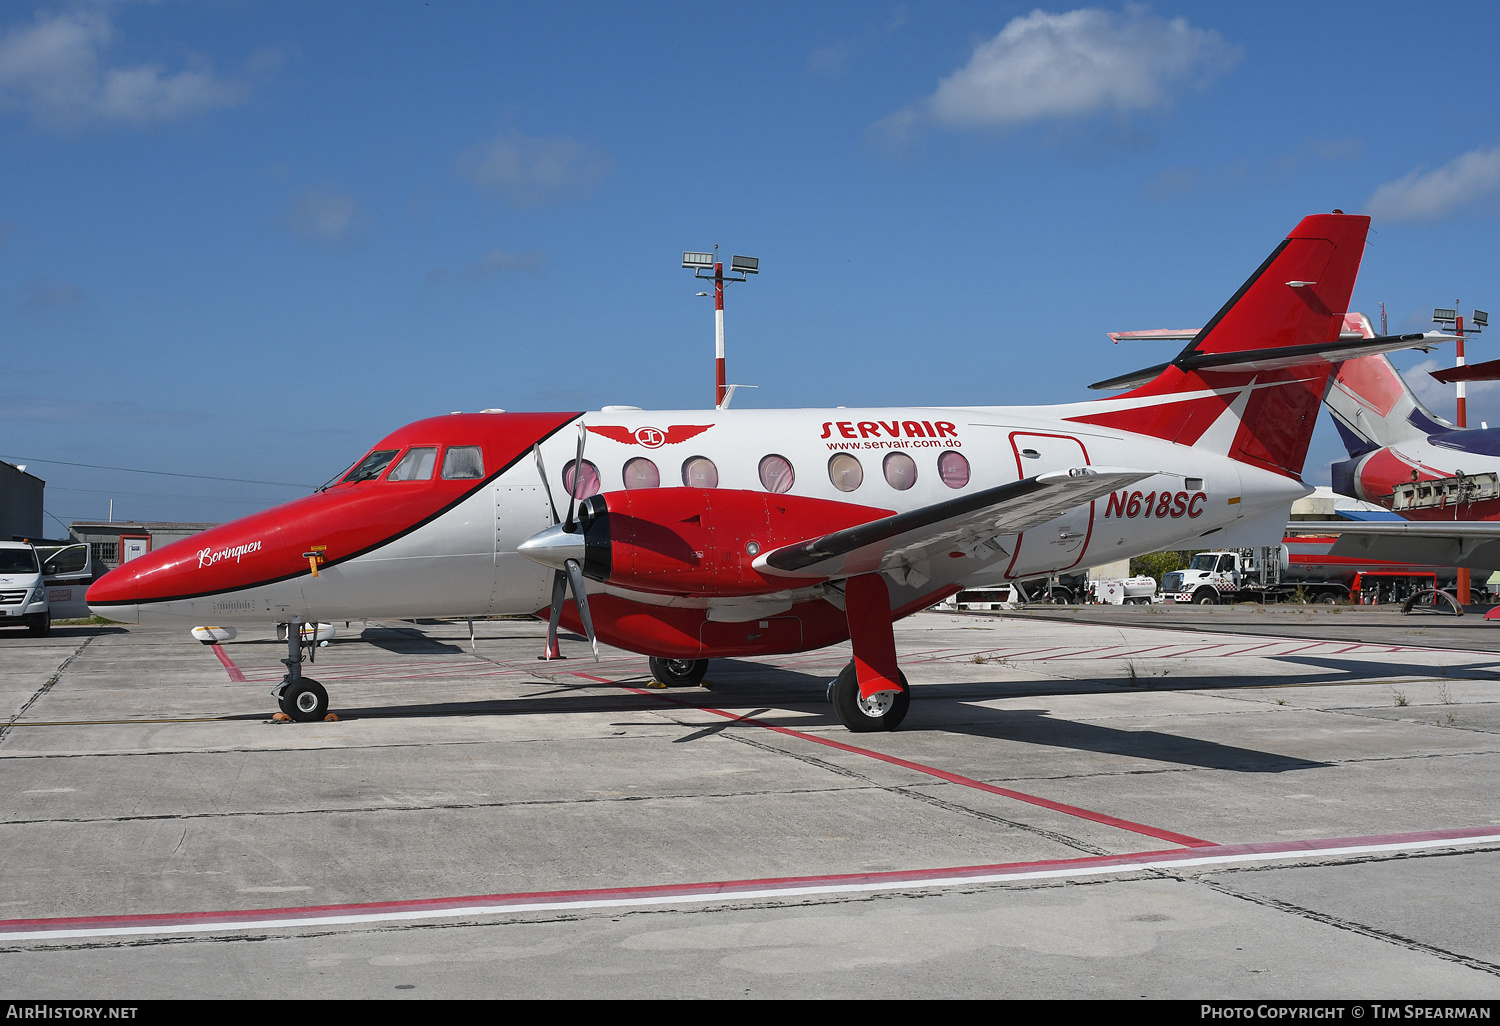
[1250, 383]
[1373, 407]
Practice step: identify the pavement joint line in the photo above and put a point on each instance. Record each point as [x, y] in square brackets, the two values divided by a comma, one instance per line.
[1351, 926]
[932, 771]
[75, 927]
[56, 676]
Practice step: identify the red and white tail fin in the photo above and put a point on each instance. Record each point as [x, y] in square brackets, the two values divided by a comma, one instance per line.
[1249, 384]
[1374, 407]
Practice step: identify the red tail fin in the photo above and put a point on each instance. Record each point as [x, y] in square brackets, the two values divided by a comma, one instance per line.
[1260, 410]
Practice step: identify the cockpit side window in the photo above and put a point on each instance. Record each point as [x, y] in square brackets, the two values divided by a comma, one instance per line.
[416, 465]
[463, 463]
[370, 467]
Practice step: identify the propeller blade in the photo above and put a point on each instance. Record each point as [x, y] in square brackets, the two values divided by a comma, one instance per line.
[536, 450]
[575, 578]
[577, 479]
[559, 593]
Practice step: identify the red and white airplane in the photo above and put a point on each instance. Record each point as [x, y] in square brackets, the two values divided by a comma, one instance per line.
[697, 534]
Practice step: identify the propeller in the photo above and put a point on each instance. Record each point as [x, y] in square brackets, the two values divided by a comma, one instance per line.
[570, 573]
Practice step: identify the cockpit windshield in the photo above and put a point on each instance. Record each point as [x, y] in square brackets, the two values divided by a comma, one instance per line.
[370, 467]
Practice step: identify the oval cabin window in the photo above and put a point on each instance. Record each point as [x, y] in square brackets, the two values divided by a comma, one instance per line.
[776, 474]
[641, 473]
[900, 471]
[700, 472]
[953, 468]
[845, 472]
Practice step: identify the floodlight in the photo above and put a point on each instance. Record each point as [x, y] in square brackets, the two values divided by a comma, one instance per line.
[1481, 319]
[697, 260]
[1442, 316]
[746, 265]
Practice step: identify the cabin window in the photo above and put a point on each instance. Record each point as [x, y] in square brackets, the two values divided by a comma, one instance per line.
[845, 472]
[463, 463]
[900, 471]
[700, 472]
[370, 467]
[580, 483]
[641, 473]
[953, 468]
[416, 465]
[776, 474]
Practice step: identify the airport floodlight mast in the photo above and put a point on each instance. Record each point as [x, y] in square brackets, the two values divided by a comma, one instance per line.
[1477, 323]
[1480, 321]
[743, 266]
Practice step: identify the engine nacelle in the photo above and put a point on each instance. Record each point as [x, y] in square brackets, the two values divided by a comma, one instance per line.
[685, 541]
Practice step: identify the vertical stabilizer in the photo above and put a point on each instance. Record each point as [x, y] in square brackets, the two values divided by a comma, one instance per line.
[1259, 410]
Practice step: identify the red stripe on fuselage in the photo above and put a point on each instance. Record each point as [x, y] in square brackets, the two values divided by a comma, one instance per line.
[348, 519]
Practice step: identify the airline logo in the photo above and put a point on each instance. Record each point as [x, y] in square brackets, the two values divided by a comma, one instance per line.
[650, 437]
[208, 557]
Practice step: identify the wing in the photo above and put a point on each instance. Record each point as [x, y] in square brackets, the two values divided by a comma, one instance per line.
[967, 522]
[1472, 544]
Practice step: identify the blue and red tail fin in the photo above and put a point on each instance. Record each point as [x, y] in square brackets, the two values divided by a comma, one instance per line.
[1249, 385]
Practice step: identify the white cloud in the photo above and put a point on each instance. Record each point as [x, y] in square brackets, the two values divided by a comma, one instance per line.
[530, 171]
[1434, 195]
[496, 261]
[1483, 396]
[52, 69]
[322, 216]
[1072, 65]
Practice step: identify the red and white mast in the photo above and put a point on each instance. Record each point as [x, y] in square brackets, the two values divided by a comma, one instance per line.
[743, 266]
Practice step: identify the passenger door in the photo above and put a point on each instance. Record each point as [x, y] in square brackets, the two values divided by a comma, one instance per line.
[67, 573]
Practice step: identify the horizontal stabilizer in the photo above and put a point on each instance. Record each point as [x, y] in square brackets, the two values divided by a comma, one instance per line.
[1282, 357]
[1487, 371]
[1456, 543]
[970, 519]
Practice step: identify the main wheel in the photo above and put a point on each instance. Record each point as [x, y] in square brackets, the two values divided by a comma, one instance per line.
[883, 711]
[305, 701]
[678, 673]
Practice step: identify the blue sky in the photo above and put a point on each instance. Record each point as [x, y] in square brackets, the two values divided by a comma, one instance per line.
[247, 239]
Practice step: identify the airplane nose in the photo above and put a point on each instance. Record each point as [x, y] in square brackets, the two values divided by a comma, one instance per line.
[115, 594]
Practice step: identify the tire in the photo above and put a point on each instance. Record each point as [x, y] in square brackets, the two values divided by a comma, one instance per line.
[679, 673]
[1205, 597]
[306, 701]
[1328, 598]
[882, 712]
[41, 627]
[1060, 597]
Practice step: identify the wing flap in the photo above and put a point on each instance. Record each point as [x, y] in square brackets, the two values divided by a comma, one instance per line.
[1471, 544]
[891, 541]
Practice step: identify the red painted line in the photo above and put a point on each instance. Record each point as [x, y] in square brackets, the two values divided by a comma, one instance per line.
[730, 887]
[234, 671]
[932, 771]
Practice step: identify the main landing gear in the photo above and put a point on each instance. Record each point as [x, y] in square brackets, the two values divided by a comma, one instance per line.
[883, 710]
[678, 673]
[301, 698]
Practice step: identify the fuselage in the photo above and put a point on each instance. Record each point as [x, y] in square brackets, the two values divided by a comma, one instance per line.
[442, 541]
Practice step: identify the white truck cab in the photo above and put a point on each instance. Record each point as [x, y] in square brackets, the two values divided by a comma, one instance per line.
[38, 583]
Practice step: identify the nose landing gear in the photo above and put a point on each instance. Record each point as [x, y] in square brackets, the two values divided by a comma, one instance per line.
[301, 698]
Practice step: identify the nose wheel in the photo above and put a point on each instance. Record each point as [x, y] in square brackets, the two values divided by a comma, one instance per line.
[301, 698]
[679, 673]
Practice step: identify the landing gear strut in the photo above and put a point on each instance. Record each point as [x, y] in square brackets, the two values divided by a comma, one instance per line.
[678, 673]
[301, 698]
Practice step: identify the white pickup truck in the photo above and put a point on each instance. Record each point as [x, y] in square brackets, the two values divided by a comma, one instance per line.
[40, 583]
